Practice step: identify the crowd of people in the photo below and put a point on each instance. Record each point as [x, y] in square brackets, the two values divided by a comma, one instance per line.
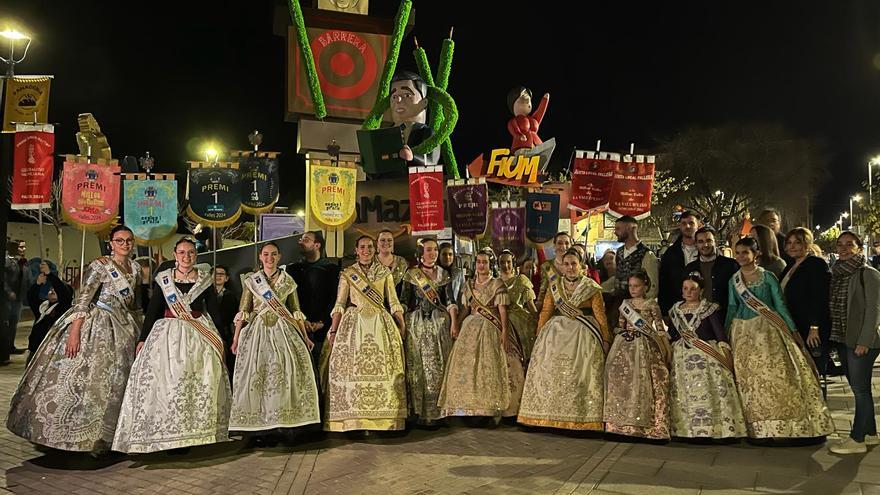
[691, 344]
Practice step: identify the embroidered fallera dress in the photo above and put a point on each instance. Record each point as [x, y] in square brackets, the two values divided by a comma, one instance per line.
[274, 384]
[779, 389]
[482, 379]
[366, 384]
[521, 320]
[565, 384]
[73, 404]
[428, 302]
[178, 391]
[637, 375]
[703, 399]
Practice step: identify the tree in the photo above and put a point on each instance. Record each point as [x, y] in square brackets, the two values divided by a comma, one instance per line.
[669, 191]
[739, 168]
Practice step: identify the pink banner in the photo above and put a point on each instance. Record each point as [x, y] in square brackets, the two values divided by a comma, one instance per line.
[90, 194]
[33, 167]
[426, 200]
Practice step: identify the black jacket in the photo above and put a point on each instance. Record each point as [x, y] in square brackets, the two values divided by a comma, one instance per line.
[672, 273]
[316, 286]
[722, 271]
[41, 327]
[807, 296]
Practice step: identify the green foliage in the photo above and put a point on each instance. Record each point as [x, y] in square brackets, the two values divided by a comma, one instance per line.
[302, 40]
[374, 119]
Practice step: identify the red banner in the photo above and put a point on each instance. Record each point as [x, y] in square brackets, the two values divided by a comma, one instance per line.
[592, 176]
[32, 167]
[426, 200]
[90, 194]
[633, 184]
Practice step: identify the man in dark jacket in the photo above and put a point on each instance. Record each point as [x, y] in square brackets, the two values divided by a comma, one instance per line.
[228, 300]
[46, 312]
[672, 266]
[317, 280]
[717, 270]
[16, 283]
[773, 219]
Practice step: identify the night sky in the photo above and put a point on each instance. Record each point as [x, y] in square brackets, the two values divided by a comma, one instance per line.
[166, 76]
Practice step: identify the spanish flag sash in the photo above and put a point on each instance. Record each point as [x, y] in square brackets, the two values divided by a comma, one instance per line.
[428, 289]
[361, 283]
[573, 312]
[179, 305]
[481, 309]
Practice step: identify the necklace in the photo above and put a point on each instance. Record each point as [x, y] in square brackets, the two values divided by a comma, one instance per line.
[477, 281]
[125, 267]
[272, 277]
[186, 275]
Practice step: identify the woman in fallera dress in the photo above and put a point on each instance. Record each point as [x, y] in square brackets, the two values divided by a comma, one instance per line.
[178, 393]
[565, 384]
[703, 400]
[485, 373]
[274, 384]
[69, 396]
[637, 369]
[395, 264]
[777, 383]
[521, 312]
[366, 384]
[431, 319]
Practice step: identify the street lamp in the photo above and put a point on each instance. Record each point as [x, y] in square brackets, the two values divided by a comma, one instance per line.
[14, 37]
[852, 218]
[875, 160]
[818, 228]
[842, 216]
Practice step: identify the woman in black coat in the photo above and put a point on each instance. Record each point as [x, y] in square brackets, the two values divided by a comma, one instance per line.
[806, 285]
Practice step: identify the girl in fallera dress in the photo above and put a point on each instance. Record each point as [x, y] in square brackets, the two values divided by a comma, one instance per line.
[565, 385]
[704, 402]
[178, 393]
[485, 373]
[274, 384]
[777, 383]
[431, 319]
[366, 385]
[637, 369]
[395, 264]
[521, 312]
[70, 394]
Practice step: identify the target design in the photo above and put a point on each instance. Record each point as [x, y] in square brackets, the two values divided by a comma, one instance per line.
[346, 64]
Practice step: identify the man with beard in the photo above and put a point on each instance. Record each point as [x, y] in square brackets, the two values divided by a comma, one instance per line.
[632, 256]
[717, 270]
[679, 255]
[317, 278]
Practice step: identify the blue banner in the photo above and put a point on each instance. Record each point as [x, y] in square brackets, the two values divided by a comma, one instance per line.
[151, 209]
[542, 216]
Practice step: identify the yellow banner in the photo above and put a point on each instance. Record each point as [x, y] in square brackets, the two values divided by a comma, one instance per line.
[332, 195]
[26, 96]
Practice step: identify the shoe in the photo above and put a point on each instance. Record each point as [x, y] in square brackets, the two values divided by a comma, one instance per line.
[17, 351]
[872, 439]
[849, 446]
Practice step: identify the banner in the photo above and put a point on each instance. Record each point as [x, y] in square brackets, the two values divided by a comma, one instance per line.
[214, 193]
[508, 227]
[468, 207]
[151, 209]
[332, 193]
[632, 188]
[90, 194]
[426, 200]
[26, 96]
[592, 176]
[33, 166]
[259, 180]
[542, 216]
[349, 67]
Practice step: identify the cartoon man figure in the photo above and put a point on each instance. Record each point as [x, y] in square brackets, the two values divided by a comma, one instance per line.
[524, 127]
[409, 105]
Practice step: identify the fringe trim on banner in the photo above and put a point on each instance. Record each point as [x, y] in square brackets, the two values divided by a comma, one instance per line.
[212, 223]
[157, 242]
[471, 181]
[259, 211]
[95, 227]
[348, 223]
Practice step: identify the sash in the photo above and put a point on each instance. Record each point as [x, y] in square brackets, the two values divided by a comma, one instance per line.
[45, 309]
[635, 319]
[573, 312]
[178, 305]
[688, 332]
[484, 311]
[758, 306]
[427, 287]
[359, 281]
[258, 283]
[118, 281]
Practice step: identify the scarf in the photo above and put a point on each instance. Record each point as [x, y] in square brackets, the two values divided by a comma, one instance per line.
[841, 273]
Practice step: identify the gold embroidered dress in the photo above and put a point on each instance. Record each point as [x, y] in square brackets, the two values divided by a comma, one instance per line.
[178, 391]
[519, 291]
[366, 384]
[73, 404]
[274, 383]
[398, 269]
[482, 379]
[565, 384]
[637, 375]
[428, 339]
[780, 392]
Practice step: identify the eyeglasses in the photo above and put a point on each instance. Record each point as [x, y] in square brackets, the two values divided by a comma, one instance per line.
[120, 242]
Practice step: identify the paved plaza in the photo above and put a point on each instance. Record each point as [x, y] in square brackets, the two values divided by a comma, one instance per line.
[458, 459]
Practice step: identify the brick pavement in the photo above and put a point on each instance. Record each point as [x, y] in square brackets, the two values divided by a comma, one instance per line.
[453, 460]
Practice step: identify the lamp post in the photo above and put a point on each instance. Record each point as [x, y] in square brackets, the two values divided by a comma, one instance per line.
[842, 216]
[852, 218]
[14, 37]
[875, 160]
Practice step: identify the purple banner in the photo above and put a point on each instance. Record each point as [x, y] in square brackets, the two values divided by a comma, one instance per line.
[468, 208]
[508, 229]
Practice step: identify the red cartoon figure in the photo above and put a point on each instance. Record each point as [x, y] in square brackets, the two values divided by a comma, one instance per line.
[524, 127]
